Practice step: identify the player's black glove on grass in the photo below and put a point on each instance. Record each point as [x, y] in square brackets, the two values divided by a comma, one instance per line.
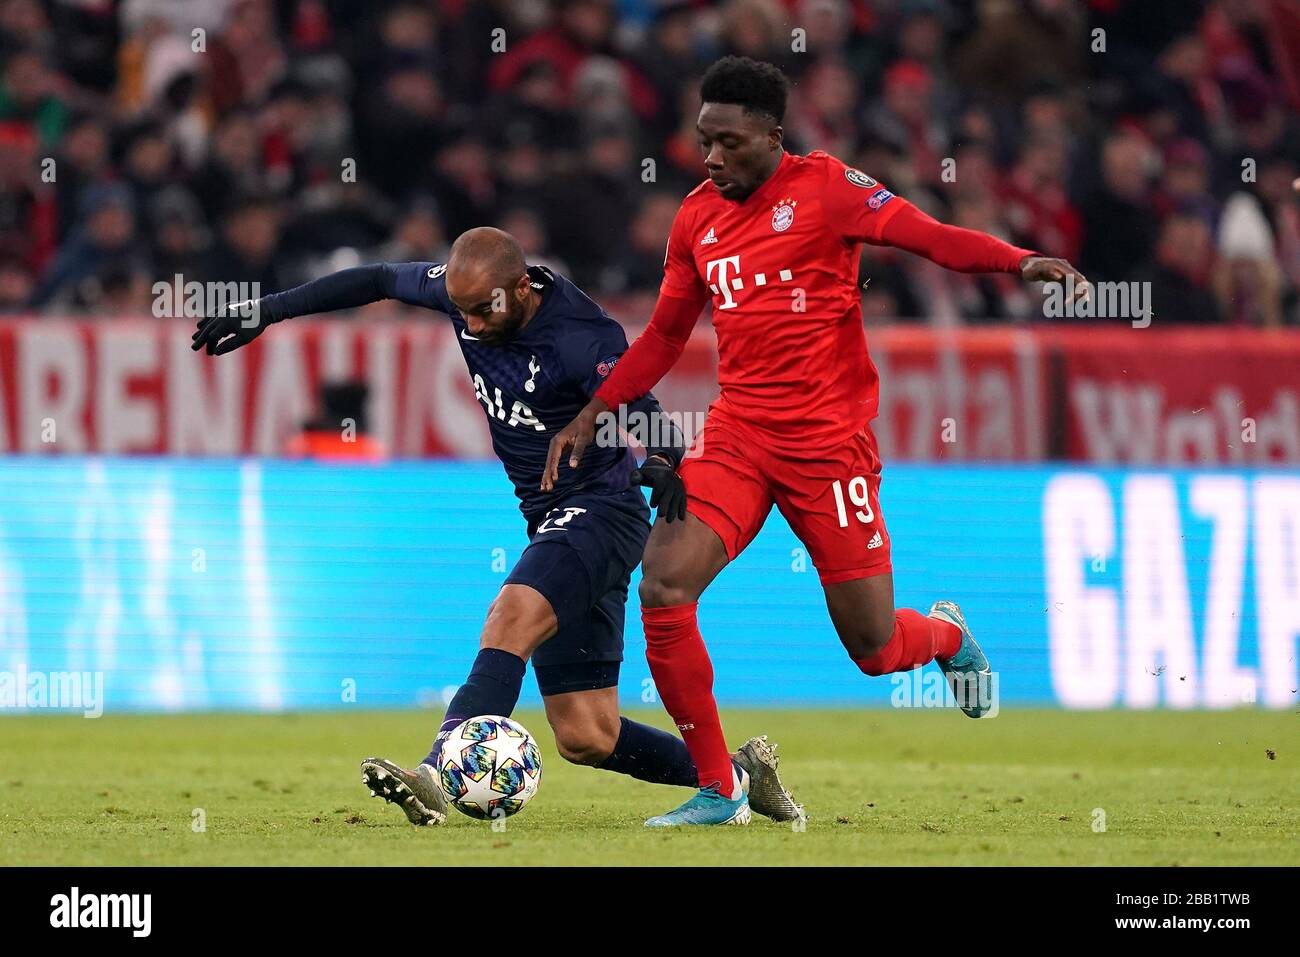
[235, 325]
[668, 491]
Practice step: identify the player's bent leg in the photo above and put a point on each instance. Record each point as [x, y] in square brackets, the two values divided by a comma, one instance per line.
[585, 723]
[590, 731]
[519, 619]
[862, 611]
[879, 638]
[883, 640]
[581, 701]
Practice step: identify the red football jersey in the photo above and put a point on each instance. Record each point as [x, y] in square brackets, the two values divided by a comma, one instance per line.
[782, 270]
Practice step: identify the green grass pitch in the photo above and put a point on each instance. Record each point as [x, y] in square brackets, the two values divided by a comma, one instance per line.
[881, 787]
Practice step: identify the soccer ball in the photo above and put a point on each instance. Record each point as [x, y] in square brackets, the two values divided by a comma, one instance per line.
[490, 767]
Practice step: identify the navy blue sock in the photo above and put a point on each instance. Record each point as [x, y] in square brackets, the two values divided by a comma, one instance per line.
[649, 754]
[491, 688]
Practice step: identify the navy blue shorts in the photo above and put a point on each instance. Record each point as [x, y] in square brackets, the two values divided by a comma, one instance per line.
[580, 558]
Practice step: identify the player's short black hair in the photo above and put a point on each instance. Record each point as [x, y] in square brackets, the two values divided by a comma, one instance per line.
[756, 86]
[491, 249]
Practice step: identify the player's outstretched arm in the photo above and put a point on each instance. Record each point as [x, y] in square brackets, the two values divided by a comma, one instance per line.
[240, 323]
[968, 250]
[640, 368]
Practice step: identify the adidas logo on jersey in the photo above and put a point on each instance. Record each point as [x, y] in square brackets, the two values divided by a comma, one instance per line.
[876, 540]
[708, 238]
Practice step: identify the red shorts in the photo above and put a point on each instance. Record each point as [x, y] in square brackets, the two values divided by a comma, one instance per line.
[829, 495]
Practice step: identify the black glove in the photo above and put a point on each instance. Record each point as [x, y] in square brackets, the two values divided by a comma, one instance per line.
[238, 323]
[668, 491]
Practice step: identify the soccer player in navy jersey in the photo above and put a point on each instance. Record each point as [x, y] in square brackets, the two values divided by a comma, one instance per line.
[537, 349]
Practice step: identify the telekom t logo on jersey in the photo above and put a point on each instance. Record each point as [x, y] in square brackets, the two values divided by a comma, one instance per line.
[723, 276]
[723, 283]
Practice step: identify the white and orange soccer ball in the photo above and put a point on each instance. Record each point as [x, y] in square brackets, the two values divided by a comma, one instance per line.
[490, 767]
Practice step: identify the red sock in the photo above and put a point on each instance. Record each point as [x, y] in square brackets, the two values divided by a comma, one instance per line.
[917, 640]
[683, 676]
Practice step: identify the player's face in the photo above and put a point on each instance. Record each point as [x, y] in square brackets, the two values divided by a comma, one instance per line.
[493, 311]
[740, 149]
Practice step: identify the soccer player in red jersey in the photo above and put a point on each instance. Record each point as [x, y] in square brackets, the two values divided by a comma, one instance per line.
[772, 239]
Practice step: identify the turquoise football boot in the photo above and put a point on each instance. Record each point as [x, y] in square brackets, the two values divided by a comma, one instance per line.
[967, 672]
[706, 807]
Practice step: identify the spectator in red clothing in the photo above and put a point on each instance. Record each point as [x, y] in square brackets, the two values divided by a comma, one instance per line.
[682, 168]
[28, 207]
[1036, 202]
[583, 29]
[246, 59]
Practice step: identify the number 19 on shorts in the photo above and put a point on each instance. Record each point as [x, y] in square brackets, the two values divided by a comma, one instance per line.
[857, 496]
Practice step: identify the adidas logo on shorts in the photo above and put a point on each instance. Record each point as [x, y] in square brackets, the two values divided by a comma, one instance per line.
[876, 540]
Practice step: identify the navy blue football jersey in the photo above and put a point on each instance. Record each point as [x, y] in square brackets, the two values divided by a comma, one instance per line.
[534, 385]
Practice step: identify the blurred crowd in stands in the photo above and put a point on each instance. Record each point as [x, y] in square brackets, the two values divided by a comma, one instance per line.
[263, 141]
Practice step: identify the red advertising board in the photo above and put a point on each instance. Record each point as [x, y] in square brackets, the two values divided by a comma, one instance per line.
[1179, 396]
[969, 395]
[1101, 395]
